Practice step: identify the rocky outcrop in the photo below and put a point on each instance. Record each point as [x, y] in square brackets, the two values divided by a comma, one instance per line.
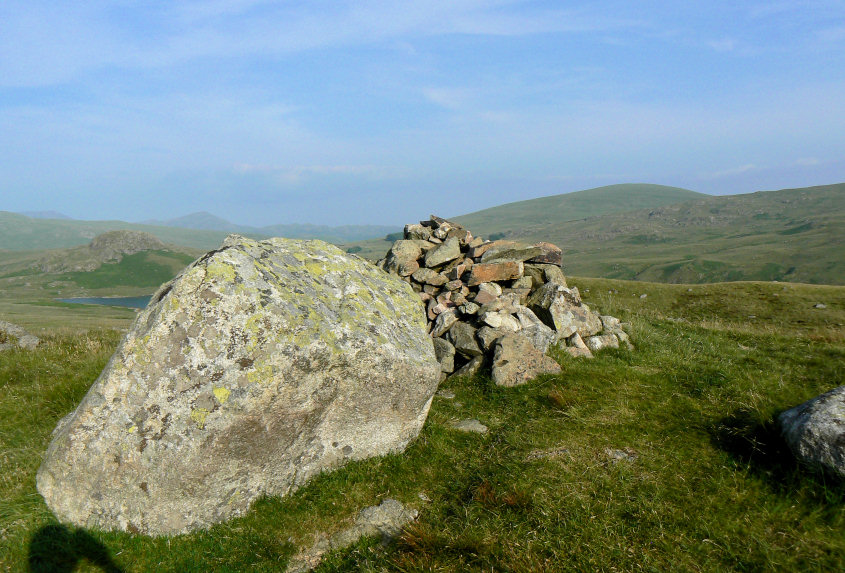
[12, 335]
[109, 247]
[815, 431]
[261, 365]
[478, 292]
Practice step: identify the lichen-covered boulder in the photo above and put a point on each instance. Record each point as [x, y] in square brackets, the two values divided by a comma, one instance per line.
[261, 365]
[815, 431]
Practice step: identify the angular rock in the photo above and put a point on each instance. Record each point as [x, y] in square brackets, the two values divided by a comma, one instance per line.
[430, 277]
[462, 336]
[561, 308]
[523, 283]
[444, 322]
[419, 232]
[516, 361]
[576, 352]
[549, 254]
[445, 353]
[487, 272]
[610, 323]
[600, 342]
[510, 252]
[815, 431]
[471, 368]
[449, 250]
[540, 335]
[408, 268]
[260, 366]
[13, 335]
[500, 320]
[402, 252]
[469, 308]
[487, 335]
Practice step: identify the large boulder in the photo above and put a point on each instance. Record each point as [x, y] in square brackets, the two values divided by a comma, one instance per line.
[815, 431]
[261, 365]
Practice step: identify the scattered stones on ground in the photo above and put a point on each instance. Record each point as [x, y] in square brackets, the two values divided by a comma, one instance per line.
[471, 425]
[385, 520]
[820, 305]
[446, 394]
[815, 431]
[263, 364]
[476, 292]
[12, 335]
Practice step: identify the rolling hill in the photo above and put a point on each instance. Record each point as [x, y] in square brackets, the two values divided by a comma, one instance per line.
[523, 216]
[788, 235]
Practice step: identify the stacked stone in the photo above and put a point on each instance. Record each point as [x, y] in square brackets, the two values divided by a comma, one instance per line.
[497, 302]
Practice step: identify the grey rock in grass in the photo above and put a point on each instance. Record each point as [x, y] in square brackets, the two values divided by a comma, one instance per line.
[815, 431]
[13, 335]
[385, 520]
[260, 366]
[472, 426]
[602, 341]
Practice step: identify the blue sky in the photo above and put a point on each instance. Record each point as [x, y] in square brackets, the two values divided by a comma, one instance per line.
[381, 112]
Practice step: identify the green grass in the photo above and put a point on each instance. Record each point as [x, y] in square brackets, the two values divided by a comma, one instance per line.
[632, 232]
[711, 488]
[145, 269]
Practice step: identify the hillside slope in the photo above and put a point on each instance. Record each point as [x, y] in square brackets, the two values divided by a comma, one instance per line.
[788, 235]
[535, 213]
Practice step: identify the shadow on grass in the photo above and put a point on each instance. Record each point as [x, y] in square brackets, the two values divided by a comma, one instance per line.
[760, 447]
[58, 549]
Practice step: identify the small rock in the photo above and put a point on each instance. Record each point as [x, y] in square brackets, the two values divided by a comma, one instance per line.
[600, 342]
[623, 455]
[820, 305]
[449, 250]
[444, 322]
[471, 368]
[643, 295]
[815, 431]
[446, 394]
[472, 425]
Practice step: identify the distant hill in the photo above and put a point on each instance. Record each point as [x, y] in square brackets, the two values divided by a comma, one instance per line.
[199, 230]
[341, 234]
[788, 235]
[526, 215]
[46, 215]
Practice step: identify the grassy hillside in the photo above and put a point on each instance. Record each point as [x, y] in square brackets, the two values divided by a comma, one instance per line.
[789, 235]
[705, 483]
[533, 213]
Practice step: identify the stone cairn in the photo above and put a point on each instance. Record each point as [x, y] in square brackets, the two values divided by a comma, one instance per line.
[497, 303]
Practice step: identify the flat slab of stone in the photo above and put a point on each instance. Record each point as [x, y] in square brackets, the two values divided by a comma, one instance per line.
[473, 426]
[261, 365]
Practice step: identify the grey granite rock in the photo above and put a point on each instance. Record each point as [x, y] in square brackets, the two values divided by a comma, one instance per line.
[261, 365]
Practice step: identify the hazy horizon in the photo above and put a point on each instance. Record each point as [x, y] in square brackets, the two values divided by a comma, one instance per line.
[373, 112]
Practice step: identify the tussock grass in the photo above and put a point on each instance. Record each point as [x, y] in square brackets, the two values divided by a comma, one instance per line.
[707, 484]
